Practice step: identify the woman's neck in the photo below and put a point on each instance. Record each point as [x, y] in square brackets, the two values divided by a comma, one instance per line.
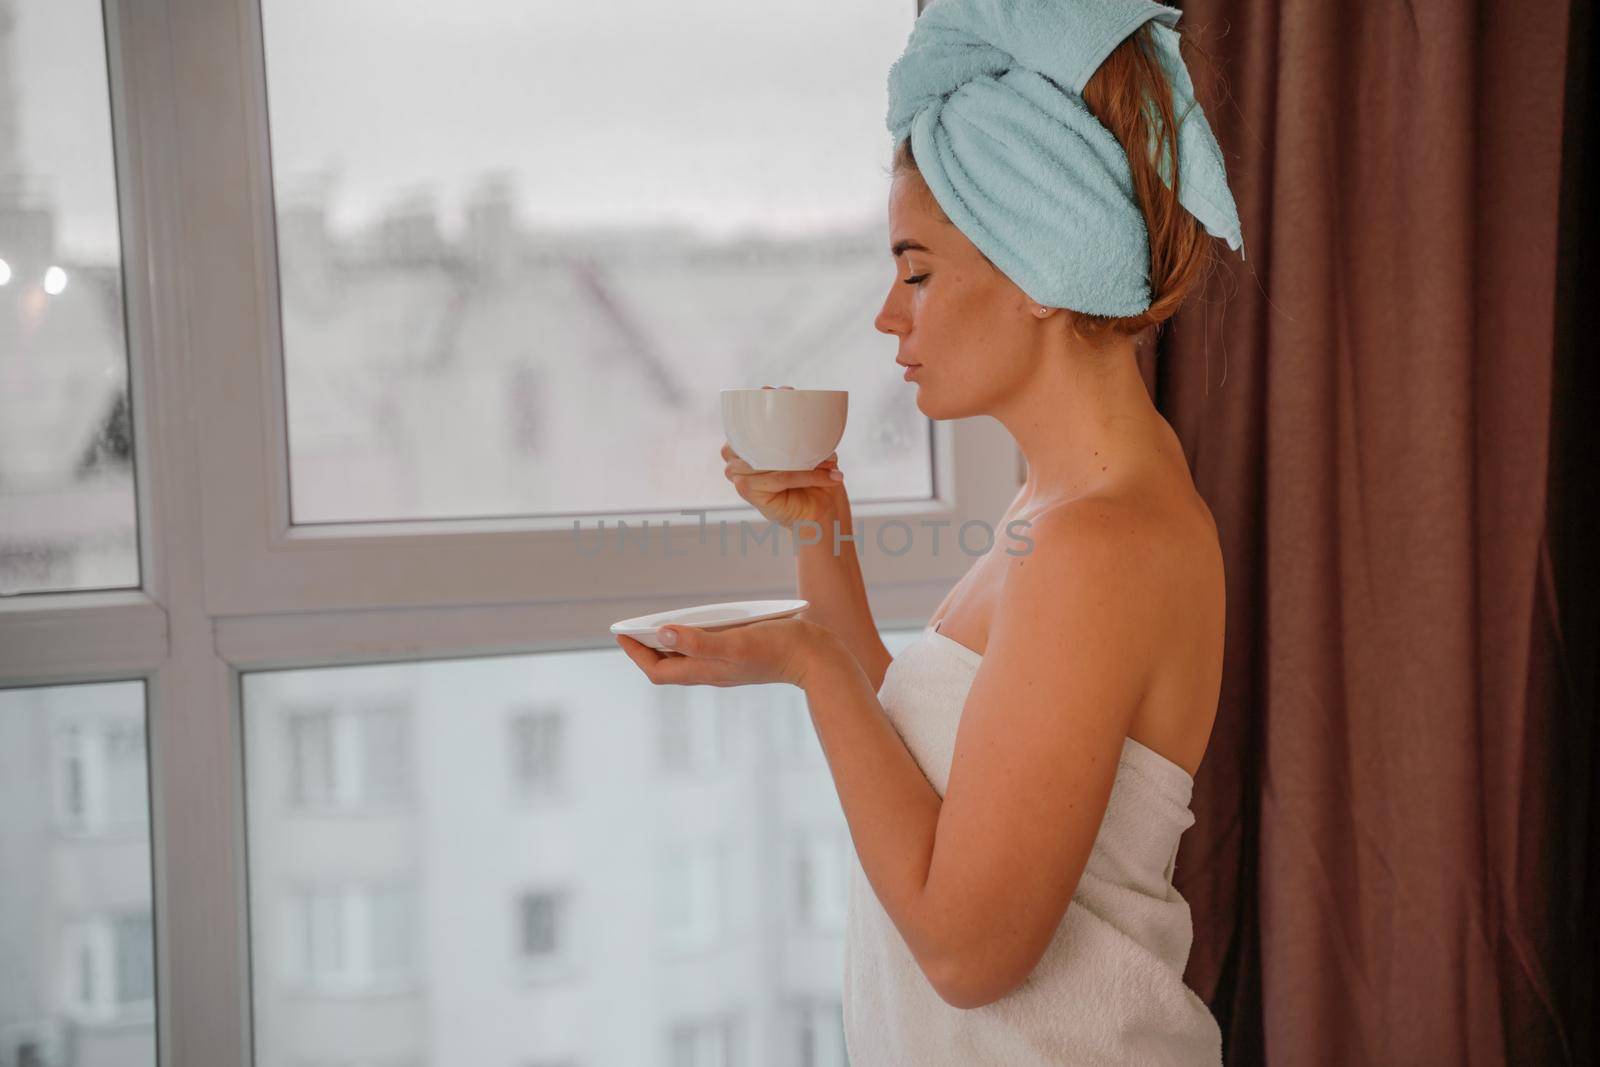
[1087, 422]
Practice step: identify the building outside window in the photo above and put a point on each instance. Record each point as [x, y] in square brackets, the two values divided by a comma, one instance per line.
[525, 393]
[693, 880]
[108, 968]
[544, 942]
[538, 751]
[694, 727]
[716, 1041]
[819, 1032]
[101, 780]
[822, 856]
[350, 758]
[351, 938]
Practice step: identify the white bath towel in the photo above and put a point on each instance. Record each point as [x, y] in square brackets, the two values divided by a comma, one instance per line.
[1109, 990]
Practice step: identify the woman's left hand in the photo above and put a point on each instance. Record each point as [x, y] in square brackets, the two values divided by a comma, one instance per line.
[774, 650]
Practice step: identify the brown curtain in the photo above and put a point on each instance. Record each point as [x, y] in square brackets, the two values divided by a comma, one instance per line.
[1384, 408]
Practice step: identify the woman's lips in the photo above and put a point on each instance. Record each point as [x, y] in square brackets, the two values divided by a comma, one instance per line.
[911, 371]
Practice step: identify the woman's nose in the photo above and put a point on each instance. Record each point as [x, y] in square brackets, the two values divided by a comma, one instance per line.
[889, 320]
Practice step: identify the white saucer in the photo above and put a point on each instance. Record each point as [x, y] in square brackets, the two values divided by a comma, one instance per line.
[642, 628]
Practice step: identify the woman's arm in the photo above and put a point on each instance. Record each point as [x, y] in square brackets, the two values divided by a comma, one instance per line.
[977, 881]
[891, 808]
[837, 592]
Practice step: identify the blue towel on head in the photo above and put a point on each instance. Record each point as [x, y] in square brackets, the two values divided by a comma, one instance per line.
[990, 93]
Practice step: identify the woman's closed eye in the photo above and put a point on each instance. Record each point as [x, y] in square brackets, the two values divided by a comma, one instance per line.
[918, 280]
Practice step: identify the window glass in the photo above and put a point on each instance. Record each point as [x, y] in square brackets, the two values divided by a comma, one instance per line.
[521, 248]
[77, 938]
[625, 919]
[67, 514]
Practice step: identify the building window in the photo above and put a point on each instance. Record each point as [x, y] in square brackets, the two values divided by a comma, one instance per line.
[544, 933]
[351, 938]
[101, 778]
[541, 925]
[694, 728]
[538, 751]
[819, 1033]
[822, 867]
[706, 1042]
[524, 395]
[133, 953]
[692, 904]
[110, 968]
[72, 759]
[350, 758]
[127, 789]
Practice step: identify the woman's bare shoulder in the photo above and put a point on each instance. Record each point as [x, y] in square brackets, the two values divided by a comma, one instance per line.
[1159, 547]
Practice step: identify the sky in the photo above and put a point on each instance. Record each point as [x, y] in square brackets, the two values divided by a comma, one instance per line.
[719, 114]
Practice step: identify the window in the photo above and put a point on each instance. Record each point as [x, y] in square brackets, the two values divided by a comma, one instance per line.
[708, 1042]
[134, 973]
[350, 938]
[109, 970]
[695, 727]
[100, 774]
[411, 284]
[67, 509]
[541, 925]
[417, 261]
[693, 881]
[525, 393]
[126, 775]
[819, 1033]
[538, 739]
[312, 744]
[822, 859]
[350, 758]
[544, 949]
[639, 884]
[75, 896]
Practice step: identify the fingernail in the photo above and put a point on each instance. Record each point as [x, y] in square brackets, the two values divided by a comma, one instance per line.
[836, 475]
[667, 637]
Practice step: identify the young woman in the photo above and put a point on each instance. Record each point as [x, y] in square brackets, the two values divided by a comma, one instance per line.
[1017, 780]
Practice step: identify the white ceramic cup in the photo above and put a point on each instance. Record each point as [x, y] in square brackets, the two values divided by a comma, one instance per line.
[784, 429]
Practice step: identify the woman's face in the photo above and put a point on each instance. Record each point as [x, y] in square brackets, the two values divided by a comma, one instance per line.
[967, 325]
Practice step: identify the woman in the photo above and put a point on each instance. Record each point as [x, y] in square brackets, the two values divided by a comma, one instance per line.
[1017, 780]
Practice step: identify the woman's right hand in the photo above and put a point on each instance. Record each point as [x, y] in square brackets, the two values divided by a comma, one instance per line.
[788, 497]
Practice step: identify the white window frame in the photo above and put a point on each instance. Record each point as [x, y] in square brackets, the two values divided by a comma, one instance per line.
[228, 587]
